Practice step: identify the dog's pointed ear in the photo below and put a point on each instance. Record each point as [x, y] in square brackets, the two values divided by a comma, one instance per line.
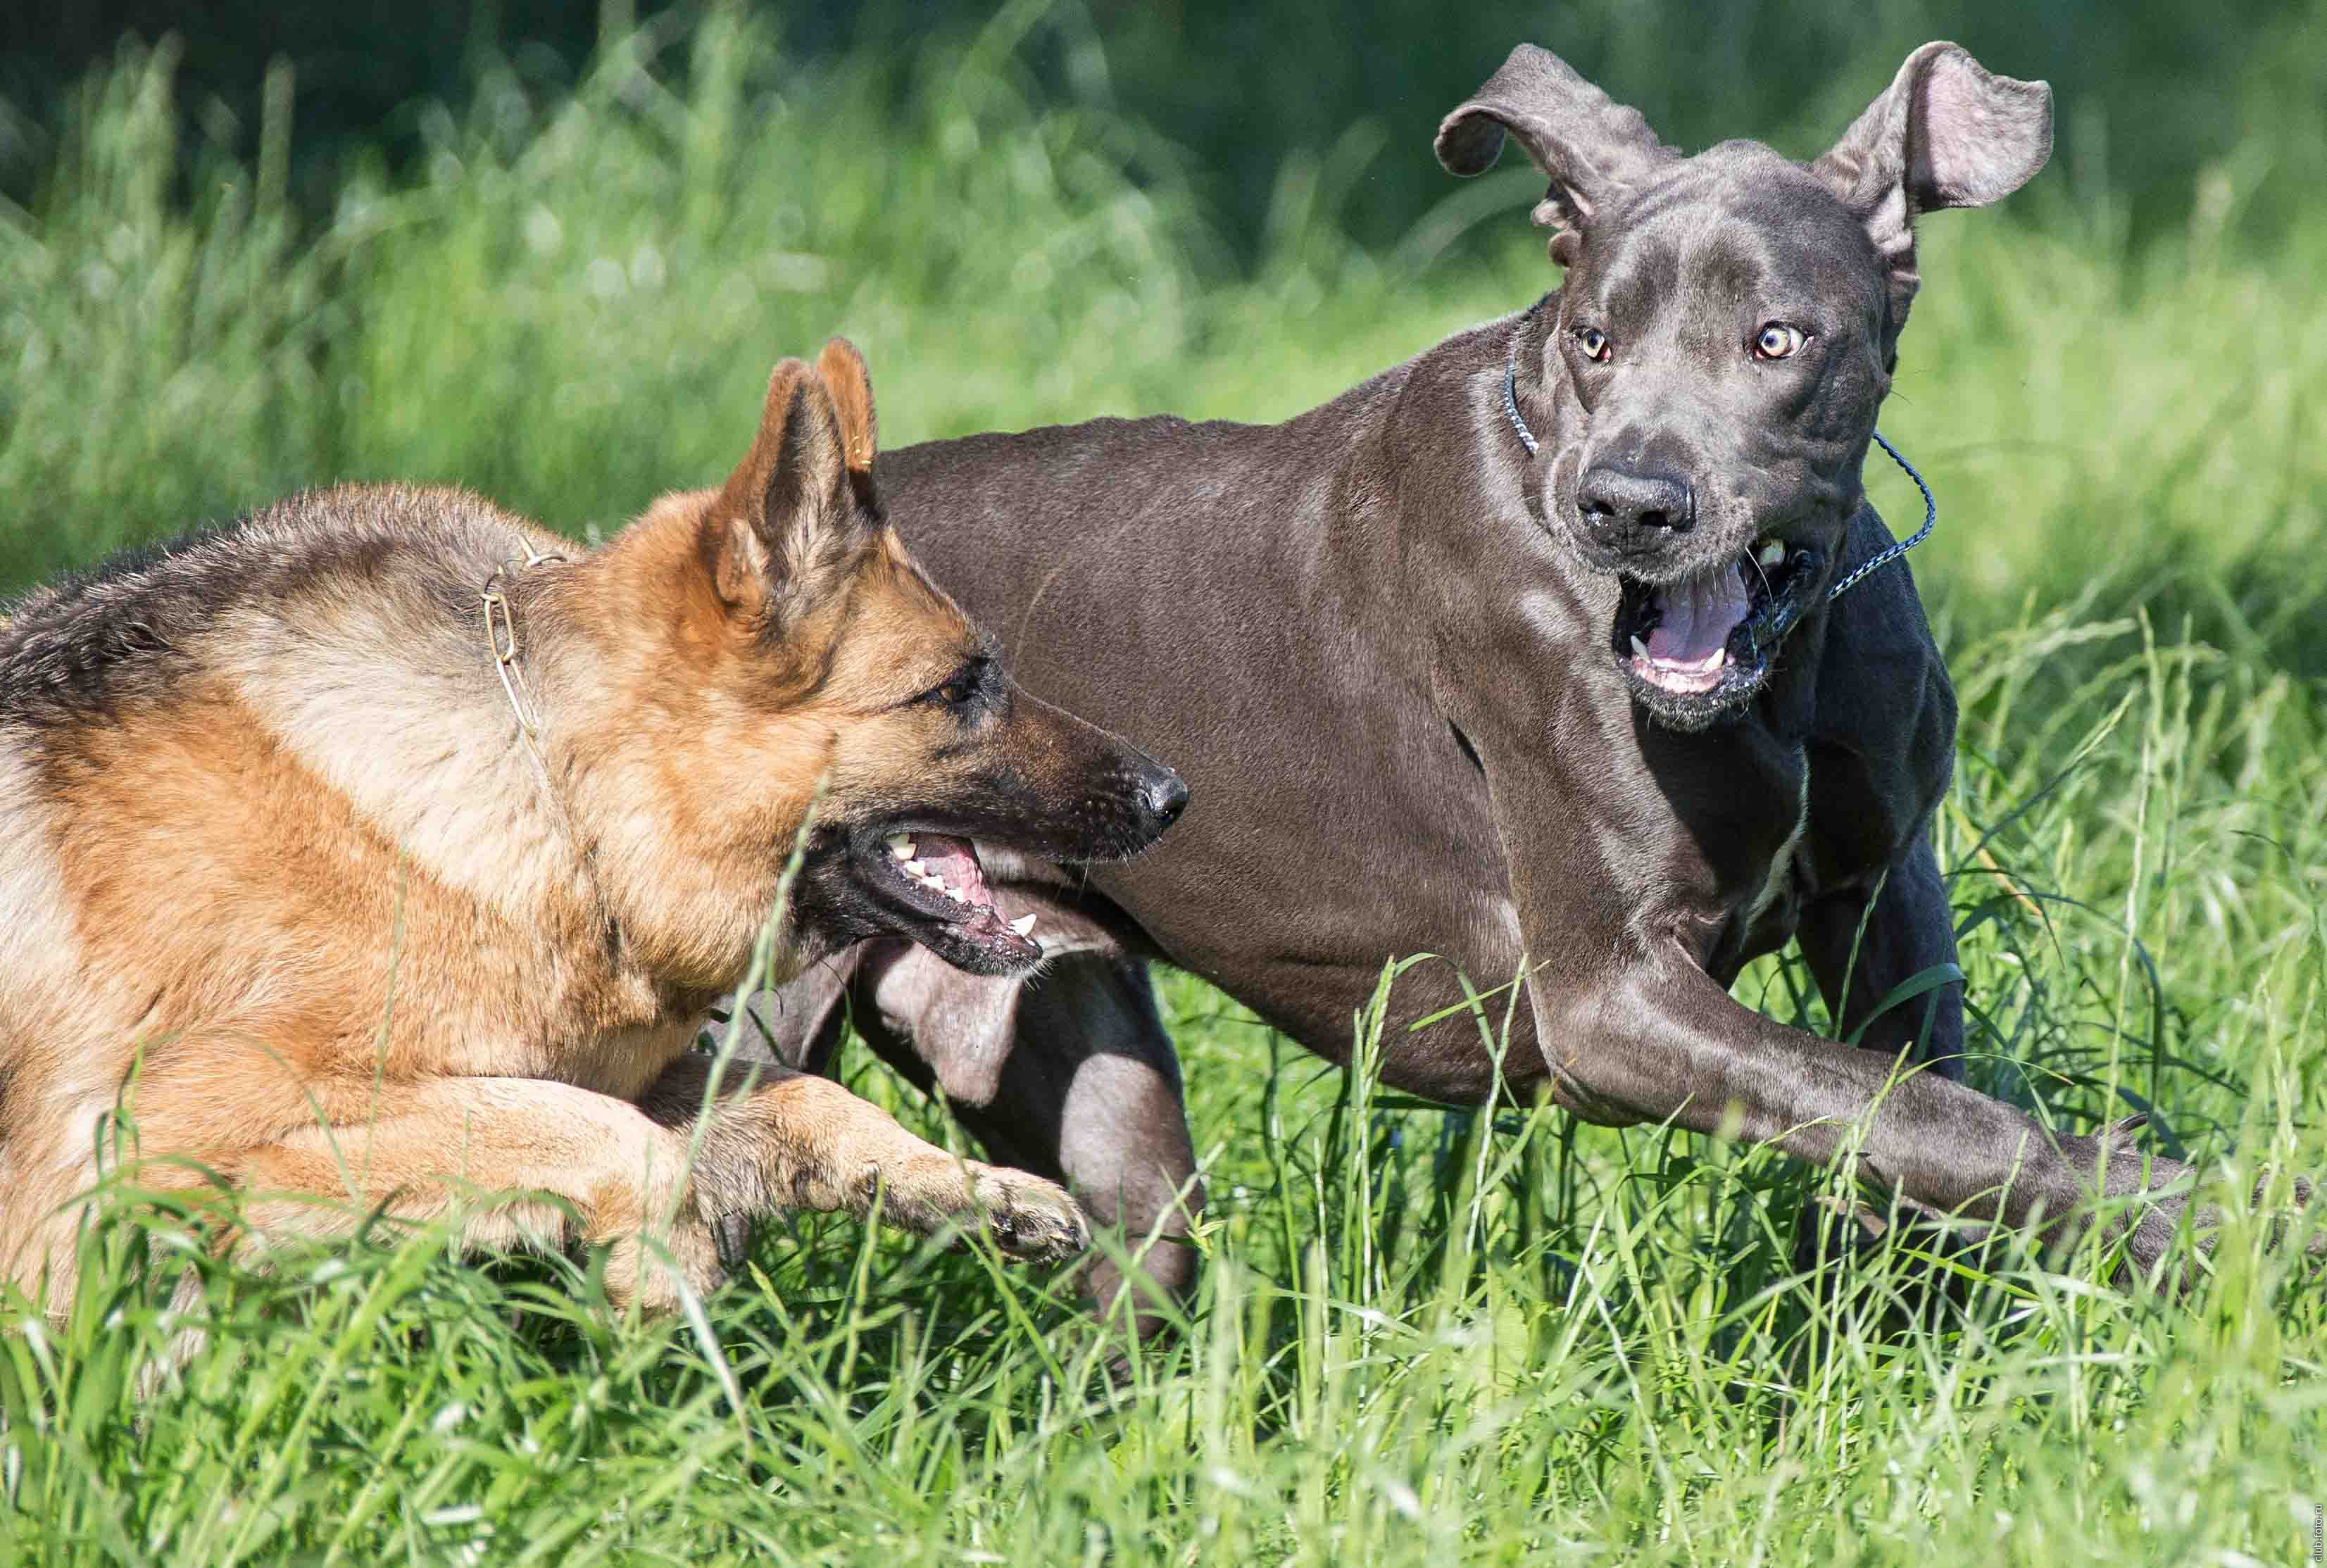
[1592, 149]
[789, 523]
[1945, 132]
[851, 386]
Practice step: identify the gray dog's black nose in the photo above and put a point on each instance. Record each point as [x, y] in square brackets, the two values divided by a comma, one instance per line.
[1621, 503]
[1164, 797]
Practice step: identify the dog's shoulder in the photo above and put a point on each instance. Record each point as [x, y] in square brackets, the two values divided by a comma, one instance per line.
[395, 559]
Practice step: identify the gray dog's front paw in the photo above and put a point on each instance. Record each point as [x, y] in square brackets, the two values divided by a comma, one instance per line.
[2151, 1231]
[1030, 1220]
[2146, 1229]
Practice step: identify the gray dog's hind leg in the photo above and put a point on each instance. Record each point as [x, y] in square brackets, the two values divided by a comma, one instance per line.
[1068, 1075]
[799, 1024]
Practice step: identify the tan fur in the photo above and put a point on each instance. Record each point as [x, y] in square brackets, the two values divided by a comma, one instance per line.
[843, 370]
[316, 915]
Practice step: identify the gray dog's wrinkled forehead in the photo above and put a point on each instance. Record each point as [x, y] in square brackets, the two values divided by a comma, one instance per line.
[1741, 183]
[1743, 220]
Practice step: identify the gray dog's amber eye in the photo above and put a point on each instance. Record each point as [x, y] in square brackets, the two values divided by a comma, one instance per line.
[1593, 342]
[1778, 342]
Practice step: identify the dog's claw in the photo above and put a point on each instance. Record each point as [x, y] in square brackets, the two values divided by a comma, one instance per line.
[1030, 1220]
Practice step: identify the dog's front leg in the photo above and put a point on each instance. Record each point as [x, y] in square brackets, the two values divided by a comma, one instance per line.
[517, 1163]
[766, 1138]
[1863, 942]
[1880, 752]
[1659, 1040]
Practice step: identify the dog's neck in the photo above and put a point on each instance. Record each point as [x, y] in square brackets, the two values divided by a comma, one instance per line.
[609, 636]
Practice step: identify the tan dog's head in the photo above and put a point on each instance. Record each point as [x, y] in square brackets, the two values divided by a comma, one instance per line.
[804, 650]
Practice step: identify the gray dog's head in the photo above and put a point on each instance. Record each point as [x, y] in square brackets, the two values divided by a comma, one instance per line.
[1728, 326]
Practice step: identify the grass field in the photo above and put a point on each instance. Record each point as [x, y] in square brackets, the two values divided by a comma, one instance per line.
[1421, 1339]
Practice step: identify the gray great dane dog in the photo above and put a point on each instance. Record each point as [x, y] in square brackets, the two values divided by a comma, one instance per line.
[1585, 709]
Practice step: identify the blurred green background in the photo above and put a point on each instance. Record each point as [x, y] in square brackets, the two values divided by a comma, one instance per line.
[2155, 92]
[550, 251]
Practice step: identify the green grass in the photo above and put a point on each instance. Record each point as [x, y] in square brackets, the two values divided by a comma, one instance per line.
[1419, 1339]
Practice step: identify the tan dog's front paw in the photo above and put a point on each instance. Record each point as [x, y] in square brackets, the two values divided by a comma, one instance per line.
[1030, 1220]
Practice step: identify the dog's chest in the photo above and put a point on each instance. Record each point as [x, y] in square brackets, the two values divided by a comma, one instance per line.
[1731, 866]
[1768, 918]
[623, 1061]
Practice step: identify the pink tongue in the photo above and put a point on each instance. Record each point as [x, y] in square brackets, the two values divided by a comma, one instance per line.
[952, 859]
[1699, 614]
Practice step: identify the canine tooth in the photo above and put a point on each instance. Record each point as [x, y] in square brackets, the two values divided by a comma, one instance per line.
[1023, 924]
[1772, 554]
[901, 845]
[1640, 649]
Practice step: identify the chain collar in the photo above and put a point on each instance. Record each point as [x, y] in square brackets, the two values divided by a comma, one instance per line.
[501, 639]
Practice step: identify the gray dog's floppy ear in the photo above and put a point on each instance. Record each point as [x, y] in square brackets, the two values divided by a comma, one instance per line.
[1944, 134]
[1592, 149]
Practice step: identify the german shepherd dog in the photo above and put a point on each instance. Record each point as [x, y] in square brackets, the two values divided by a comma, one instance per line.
[373, 853]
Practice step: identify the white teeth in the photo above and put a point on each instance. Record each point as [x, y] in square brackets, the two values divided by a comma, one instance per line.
[901, 845]
[1772, 554]
[1640, 649]
[952, 892]
[915, 868]
[1023, 924]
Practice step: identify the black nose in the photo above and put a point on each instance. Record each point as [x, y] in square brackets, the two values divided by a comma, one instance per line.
[1164, 796]
[1620, 505]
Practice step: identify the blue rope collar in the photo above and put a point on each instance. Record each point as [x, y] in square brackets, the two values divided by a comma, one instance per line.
[1882, 558]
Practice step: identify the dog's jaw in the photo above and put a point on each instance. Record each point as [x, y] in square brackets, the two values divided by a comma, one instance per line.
[946, 873]
[1693, 638]
[1696, 649]
[929, 887]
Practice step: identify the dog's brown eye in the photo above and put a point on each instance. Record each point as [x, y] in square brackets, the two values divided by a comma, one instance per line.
[964, 686]
[1779, 340]
[1593, 342]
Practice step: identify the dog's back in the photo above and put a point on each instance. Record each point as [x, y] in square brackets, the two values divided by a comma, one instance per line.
[135, 627]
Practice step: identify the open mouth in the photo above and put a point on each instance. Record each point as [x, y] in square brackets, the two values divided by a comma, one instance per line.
[1699, 645]
[933, 886]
